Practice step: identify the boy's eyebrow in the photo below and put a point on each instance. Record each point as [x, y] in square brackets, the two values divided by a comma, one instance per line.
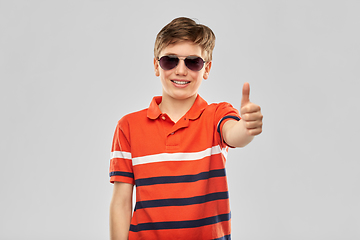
[174, 54]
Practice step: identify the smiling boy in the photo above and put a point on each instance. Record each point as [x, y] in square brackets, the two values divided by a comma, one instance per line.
[175, 150]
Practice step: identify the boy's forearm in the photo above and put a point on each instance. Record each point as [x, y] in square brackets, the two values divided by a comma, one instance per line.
[120, 211]
[120, 217]
[236, 134]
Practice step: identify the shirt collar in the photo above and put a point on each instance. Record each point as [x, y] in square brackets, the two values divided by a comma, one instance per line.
[195, 111]
[153, 111]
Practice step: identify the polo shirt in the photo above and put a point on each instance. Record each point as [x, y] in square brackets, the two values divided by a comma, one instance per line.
[178, 169]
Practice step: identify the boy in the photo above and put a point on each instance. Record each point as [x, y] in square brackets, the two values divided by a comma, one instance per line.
[175, 151]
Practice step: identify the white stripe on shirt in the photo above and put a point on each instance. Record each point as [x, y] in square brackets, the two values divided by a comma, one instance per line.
[189, 156]
[120, 154]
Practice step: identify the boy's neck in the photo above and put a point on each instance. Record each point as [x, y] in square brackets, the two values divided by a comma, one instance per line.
[176, 108]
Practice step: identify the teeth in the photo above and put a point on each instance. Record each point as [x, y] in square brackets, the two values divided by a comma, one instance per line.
[180, 82]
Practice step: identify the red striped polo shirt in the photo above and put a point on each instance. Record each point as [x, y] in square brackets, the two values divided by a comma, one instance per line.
[178, 169]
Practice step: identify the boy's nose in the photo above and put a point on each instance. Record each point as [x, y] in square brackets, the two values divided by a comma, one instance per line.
[181, 68]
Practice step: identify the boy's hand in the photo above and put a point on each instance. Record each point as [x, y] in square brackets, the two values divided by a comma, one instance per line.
[250, 113]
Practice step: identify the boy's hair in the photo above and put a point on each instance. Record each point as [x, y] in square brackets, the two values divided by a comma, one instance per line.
[185, 29]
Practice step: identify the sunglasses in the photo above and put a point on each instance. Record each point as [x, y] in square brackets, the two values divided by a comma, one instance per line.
[193, 63]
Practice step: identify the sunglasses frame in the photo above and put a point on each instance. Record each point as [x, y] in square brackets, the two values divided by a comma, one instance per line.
[182, 58]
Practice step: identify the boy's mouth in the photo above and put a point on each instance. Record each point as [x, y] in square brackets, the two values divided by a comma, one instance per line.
[180, 82]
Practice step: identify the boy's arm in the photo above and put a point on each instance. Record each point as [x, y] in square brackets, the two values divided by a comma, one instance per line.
[120, 211]
[240, 133]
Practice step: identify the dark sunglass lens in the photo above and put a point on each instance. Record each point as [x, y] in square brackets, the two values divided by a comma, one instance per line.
[194, 63]
[167, 62]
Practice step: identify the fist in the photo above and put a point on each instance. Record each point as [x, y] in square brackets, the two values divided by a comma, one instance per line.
[250, 113]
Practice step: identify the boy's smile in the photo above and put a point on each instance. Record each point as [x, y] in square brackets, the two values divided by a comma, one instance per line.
[181, 83]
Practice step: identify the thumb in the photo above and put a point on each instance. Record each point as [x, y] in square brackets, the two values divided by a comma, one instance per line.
[245, 94]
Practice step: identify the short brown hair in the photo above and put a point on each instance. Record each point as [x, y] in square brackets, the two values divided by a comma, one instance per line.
[185, 29]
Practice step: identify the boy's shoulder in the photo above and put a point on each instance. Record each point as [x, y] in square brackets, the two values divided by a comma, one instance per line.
[144, 113]
[134, 116]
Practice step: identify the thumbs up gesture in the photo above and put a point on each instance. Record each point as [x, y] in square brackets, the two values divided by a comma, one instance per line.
[250, 113]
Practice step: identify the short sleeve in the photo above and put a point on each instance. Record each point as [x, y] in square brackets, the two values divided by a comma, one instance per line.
[121, 169]
[224, 113]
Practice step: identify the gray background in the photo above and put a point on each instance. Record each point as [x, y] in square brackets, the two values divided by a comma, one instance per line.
[71, 69]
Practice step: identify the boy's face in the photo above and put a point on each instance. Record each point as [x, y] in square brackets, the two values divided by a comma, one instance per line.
[181, 83]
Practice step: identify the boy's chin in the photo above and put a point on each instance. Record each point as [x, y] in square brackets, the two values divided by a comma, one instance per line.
[181, 97]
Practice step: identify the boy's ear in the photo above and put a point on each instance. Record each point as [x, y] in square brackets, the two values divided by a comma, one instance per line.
[207, 70]
[156, 67]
